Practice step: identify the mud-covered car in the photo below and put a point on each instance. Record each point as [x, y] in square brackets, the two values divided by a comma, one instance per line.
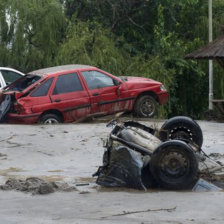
[72, 92]
[139, 156]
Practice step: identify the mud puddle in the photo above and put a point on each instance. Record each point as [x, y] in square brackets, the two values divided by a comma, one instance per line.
[48, 184]
[36, 185]
[10, 170]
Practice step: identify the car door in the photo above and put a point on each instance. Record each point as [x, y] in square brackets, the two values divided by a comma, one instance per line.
[39, 100]
[104, 93]
[69, 96]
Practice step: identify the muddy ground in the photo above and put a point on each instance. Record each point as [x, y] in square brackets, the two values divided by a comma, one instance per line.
[67, 155]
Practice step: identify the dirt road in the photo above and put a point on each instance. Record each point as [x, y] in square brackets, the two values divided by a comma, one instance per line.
[71, 153]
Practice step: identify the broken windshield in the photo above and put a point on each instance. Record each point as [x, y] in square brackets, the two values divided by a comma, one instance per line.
[23, 83]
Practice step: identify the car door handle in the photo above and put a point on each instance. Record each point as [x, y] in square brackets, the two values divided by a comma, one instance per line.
[95, 94]
[57, 100]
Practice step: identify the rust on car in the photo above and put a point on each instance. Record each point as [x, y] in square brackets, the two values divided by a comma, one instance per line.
[71, 92]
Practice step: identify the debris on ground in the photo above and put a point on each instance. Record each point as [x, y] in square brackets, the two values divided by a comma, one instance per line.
[212, 169]
[204, 186]
[129, 169]
[124, 170]
[2, 155]
[36, 185]
[137, 157]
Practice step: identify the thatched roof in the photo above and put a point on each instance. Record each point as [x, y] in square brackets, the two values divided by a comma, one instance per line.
[214, 50]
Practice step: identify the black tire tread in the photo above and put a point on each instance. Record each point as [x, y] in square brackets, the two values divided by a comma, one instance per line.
[175, 184]
[185, 121]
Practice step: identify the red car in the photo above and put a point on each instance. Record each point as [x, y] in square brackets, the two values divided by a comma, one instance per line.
[71, 92]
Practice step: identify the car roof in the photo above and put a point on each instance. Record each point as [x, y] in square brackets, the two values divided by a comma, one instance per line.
[62, 68]
[11, 69]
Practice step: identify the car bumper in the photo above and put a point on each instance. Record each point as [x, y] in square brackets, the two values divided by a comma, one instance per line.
[163, 97]
[22, 118]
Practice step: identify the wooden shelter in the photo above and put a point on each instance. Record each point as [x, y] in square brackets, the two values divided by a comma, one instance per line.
[213, 51]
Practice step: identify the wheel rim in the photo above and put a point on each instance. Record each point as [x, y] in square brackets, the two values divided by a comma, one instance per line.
[147, 107]
[174, 165]
[182, 133]
[51, 121]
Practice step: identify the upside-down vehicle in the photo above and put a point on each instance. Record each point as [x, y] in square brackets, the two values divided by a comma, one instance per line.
[139, 156]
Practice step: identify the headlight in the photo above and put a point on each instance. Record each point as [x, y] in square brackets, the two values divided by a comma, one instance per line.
[162, 88]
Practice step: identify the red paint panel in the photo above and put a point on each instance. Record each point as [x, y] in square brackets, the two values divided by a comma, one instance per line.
[73, 105]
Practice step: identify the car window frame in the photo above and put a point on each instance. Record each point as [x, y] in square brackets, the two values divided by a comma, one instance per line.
[67, 73]
[38, 85]
[5, 70]
[2, 81]
[108, 75]
[28, 88]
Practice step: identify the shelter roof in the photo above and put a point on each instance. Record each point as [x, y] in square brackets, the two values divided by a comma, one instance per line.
[214, 50]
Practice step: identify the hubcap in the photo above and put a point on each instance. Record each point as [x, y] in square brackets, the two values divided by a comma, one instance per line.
[147, 107]
[51, 121]
[174, 164]
[181, 133]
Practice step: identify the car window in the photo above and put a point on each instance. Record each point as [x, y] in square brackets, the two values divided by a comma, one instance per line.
[43, 89]
[23, 83]
[96, 80]
[67, 83]
[10, 76]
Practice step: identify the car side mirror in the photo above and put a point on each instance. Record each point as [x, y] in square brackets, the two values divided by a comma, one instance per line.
[116, 82]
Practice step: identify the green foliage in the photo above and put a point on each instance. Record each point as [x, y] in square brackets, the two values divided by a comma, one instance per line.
[146, 38]
[89, 43]
[30, 32]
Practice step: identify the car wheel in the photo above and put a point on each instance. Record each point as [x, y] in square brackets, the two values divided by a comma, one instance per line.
[50, 119]
[174, 165]
[182, 128]
[145, 106]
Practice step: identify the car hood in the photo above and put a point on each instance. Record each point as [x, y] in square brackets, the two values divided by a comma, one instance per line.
[131, 79]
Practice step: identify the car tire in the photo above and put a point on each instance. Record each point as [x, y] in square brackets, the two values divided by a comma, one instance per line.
[174, 165]
[50, 119]
[145, 106]
[182, 128]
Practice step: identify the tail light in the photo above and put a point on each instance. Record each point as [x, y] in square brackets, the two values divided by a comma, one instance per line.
[18, 108]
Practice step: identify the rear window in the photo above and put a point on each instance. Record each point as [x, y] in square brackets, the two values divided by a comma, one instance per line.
[43, 89]
[23, 83]
[67, 83]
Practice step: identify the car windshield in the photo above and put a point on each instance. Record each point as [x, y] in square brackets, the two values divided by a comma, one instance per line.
[22, 83]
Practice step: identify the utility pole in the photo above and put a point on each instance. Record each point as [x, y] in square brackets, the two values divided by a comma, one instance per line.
[210, 61]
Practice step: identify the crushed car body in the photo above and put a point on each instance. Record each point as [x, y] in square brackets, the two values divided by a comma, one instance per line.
[138, 156]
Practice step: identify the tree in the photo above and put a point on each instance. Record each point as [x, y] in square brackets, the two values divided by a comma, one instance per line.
[30, 32]
[146, 38]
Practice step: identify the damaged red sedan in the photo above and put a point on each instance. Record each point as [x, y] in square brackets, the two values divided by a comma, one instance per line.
[71, 92]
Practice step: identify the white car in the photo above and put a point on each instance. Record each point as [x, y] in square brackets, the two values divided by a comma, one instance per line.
[8, 75]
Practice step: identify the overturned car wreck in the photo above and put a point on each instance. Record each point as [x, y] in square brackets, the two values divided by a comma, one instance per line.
[142, 157]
